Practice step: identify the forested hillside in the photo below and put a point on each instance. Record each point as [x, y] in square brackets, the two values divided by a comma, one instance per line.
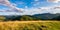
[35, 17]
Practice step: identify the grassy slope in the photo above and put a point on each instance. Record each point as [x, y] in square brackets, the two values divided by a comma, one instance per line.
[30, 25]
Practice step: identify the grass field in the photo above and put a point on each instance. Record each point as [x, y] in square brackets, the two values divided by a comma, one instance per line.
[30, 25]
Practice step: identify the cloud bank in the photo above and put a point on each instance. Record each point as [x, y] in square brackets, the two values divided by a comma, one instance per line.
[8, 4]
[33, 10]
[54, 1]
[52, 10]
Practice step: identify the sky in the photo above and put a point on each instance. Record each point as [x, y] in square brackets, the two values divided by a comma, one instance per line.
[29, 7]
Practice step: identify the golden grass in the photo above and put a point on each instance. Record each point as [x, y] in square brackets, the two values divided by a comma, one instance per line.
[30, 25]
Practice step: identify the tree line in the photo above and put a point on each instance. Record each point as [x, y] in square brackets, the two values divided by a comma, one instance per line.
[24, 18]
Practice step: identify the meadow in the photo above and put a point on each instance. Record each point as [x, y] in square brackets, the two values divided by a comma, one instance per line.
[30, 25]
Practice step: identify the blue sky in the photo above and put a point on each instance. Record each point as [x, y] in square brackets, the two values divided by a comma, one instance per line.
[29, 7]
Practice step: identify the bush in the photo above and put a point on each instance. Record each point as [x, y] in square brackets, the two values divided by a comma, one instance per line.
[2, 18]
[26, 18]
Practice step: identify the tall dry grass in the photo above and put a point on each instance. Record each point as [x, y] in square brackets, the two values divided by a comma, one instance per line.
[29, 25]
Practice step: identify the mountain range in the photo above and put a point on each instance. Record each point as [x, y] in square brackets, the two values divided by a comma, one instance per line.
[37, 16]
[47, 15]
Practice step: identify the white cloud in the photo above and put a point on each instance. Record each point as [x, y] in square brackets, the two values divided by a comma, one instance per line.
[8, 4]
[26, 7]
[35, 11]
[56, 9]
[52, 9]
[36, 3]
[36, 0]
[54, 1]
[31, 11]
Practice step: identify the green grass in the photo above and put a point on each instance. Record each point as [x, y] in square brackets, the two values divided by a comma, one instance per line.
[18, 25]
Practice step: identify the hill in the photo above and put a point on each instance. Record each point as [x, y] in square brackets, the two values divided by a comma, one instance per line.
[45, 16]
[56, 18]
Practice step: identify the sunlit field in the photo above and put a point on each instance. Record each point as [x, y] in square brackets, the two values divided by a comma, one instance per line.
[30, 25]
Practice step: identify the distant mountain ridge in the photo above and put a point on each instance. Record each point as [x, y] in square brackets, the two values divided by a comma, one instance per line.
[37, 16]
[46, 15]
